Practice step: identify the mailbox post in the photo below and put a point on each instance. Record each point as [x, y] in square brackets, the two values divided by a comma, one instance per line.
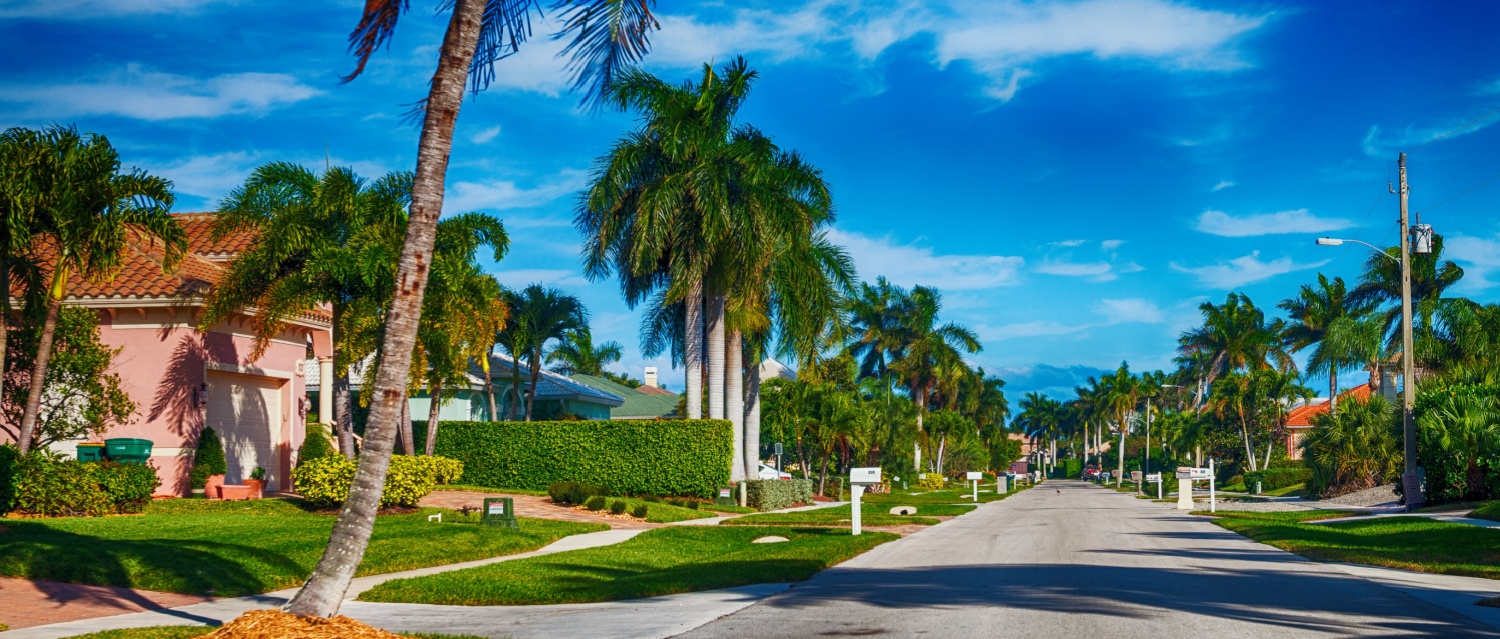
[975, 477]
[1156, 477]
[858, 479]
[499, 512]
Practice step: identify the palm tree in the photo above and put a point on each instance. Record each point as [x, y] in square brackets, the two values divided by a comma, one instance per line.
[1121, 394]
[1431, 277]
[1465, 422]
[1314, 311]
[1358, 448]
[926, 346]
[317, 240]
[608, 35]
[578, 355]
[22, 200]
[88, 213]
[544, 314]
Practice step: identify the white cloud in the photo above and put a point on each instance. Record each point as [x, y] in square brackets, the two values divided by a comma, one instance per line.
[1110, 245]
[137, 92]
[1384, 145]
[83, 9]
[207, 176]
[1479, 257]
[551, 277]
[777, 36]
[1040, 328]
[1097, 271]
[911, 264]
[1001, 39]
[1121, 311]
[1070, 243]
[1223, 184]
[500, 195]
[1243, 270]
[486, 135]
[1282, 222]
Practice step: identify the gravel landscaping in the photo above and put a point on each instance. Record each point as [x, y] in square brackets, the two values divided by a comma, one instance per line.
[1377, 496]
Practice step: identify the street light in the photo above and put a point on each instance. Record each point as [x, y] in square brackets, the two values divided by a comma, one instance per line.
[1414, 237]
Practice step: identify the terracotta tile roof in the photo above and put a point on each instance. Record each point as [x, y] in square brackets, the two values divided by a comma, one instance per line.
[140, 273]
[654, 390]
[1302, 416]
[198, 225]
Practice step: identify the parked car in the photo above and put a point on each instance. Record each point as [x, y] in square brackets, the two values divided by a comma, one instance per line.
[769, 472]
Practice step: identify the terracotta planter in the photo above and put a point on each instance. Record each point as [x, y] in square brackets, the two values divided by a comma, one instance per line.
[211, 487]
[257, 488]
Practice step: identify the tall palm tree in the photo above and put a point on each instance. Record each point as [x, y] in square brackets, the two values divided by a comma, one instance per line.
[926, 346]
[318, 239]
[1122, 394]
[1235, 336]
[1313, 312]
[544, 315]
[22, 203]
[577, 354]
[608, 35]
[88, 213]
[1431, 277]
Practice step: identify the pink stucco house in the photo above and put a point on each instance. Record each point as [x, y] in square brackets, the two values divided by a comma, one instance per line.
[182, 378]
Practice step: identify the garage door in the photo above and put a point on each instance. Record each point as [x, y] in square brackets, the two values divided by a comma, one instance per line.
[246, 413]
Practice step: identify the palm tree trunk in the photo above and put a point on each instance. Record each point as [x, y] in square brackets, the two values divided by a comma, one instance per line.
[1120, 479]
[823, 474]
[1333, 391]
[752, 422]
[734, 402]
[715, 313]
[489, 387]
[343, 403]
[917, 444]
[692, 351]
[325, 589]
[39, 368]
[536, 374]
[4, 311]
[802, 459]
[942, 448]
[515, 386]
[434, 409]
[408, 440]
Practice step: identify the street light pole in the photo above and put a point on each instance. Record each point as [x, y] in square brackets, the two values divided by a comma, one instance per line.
[1411, 487]
[1140, 486]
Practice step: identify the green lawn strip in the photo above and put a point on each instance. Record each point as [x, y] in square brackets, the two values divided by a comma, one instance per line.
[732, 510]
[870, 515]
[1489, 511]
[659, 512]
[1285, 516]
[1407, 543]
[189, 632]
[231, 549]
[917, 497]
[1297, 489]
[657, 562]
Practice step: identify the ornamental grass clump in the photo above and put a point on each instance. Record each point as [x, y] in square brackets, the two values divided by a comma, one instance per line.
[596, 502]
[640, 511]
[618, 506]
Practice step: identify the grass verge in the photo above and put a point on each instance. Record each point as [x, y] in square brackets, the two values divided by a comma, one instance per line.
[729, 509]
[1407, 543]
[870, 515]
[1489, 511]
[657, 562]
[228, 549]
[946, 496]
[661, 513]
[189, 632]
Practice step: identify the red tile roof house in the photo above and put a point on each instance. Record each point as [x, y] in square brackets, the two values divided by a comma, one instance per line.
[181, 378]
[1300, 420]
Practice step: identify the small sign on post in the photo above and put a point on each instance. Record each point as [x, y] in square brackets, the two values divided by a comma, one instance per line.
[858, 479]
[499, 512]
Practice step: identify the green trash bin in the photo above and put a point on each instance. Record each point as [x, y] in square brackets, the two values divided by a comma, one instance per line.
[91, 452]
[128, 450]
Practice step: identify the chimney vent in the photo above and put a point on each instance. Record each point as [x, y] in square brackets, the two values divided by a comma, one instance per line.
[651, 377]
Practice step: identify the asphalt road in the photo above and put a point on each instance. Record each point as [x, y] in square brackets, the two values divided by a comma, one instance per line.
[1067, 559]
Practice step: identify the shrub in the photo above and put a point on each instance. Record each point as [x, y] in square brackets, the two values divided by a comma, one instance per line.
[444, 470]
[595, 503]
[931, 481]
[618, 506]
[42, 483]
[775, 494]
[316, 444]
[834, 488]
[693, 504]
[208, 459]
[1274, 478]
[325, 482]
[651, 499]
[660, 457]
[571, 492]
[640, 511]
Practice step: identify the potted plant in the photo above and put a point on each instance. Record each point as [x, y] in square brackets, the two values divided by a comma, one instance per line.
[257, 482]
[209, 465]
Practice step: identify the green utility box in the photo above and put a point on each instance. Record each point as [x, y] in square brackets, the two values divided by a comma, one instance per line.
[128, 450]
[91, 452]
[499, 512]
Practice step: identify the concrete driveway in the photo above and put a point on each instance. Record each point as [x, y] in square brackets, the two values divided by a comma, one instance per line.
[1068, 559]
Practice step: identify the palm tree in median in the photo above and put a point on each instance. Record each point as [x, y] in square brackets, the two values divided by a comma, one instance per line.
[318, 239]
[608, 35]
[89, 214]
[1314, 312]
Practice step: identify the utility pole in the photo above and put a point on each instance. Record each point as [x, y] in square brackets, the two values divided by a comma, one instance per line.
[1411, 486]
[1140, 488]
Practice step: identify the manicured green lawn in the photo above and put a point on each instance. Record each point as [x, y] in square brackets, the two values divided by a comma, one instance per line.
[189, 632]
[946, 496]
[733, 510]
[1289, 490]
[661, 513]
[1408, 543]
[870, 515]
[227, 549]
[1487, 511]
[657, 562]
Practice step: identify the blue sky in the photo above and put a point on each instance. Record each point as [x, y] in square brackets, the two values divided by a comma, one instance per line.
[1075, 176]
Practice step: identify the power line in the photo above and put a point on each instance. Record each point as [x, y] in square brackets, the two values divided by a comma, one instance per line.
[1462, 193]
[1450, 133]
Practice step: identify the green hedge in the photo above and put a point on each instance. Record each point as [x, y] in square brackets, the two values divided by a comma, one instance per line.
[325, 481]
[775, 494]
[1067, 469]
[628, 457]
[1274, 478]
[40, 483]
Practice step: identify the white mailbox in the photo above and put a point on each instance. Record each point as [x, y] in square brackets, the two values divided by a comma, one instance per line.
[1156, 477]
[864, 476]
[1202, 474]
[974, 476]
